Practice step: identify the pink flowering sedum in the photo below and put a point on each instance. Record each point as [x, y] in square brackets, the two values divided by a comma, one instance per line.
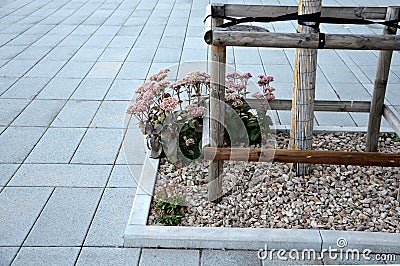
[169, 104]
[195, 110]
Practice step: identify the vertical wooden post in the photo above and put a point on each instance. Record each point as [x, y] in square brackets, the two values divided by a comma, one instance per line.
[217, 115]
[302, 122]
[381, 79]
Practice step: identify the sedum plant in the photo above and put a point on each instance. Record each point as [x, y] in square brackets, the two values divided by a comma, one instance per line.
[171, 114]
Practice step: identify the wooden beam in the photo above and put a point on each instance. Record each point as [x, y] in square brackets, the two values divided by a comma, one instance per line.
[224, 37]
[217, 115]
[381, 79]
[236, 10]
[319, 105]
[303, 156]
[391, 118]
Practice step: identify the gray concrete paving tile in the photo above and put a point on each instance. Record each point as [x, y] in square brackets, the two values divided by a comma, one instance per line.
[361, 120]
[123, 41]
[45, 68]
[176, 42]
[92, 89]
[16, 28]
[56, 146]
[109, 256]
[111, 114]
[115, 54]
[46, 256]
[192, 54]
[128, 30]
[123, 89]
[329, 58]
[110, 30]
[10, 50]
[89, 54]
[270, 56]
[351, 91]
[60, 53]
[59, 88]
[134, 148]
[99, 146]
[74, 40]
[105, 70]
[61, 175]
[141, 54]
[168, 55]
[134, 70]
[125, 176]
[49, 40]
[334, 119]
[6, 37]
[6, 82]
[76, 113]
[66, 218]
[392, 93]
[324, 91]
[98, 17]
[33, 53]
[247, 56]
[26, 88]
[86, 30]
[16, 68]
[99, 41]
[75, 69]
[6, 172]
[108, 226]
[25, 40]
[39, 113]
[20, 208]
[225, 258]
[62, 30]
[10, 109]
[169, 257]
[7, 254]
[363, 58]
[331, 73]
[2, 128]
[17, 142]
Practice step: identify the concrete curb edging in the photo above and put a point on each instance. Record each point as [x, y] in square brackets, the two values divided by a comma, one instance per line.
[139, 234]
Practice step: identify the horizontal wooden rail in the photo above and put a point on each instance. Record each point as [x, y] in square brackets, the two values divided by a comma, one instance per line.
[237, 10]
[302, 156]
[319, 105]
[221, 37]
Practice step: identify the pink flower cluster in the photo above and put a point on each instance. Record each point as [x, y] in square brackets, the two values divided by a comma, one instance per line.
[268, 91]
[195, 110]
[193, 79]
[236, 85]
[169, 104]
[149, 93]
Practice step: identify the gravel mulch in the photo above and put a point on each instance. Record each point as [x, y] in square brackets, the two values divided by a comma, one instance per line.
[333, 197]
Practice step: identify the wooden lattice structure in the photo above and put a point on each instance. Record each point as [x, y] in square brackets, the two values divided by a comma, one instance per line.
[219, 38]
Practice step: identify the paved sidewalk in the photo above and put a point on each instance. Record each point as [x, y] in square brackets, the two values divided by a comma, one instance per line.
[67, 73]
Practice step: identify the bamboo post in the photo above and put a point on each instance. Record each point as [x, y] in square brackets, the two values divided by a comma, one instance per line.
[381, 79]
[301, 131]
[217, 115]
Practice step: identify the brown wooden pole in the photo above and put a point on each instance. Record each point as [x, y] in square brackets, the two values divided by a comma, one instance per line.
[217, 115]
[304, 156]
[302, 122]
[381, 79]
